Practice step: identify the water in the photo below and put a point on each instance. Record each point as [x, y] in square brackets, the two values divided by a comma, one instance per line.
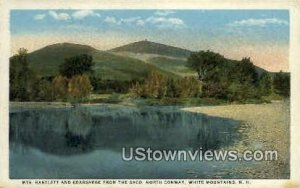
[86, 142]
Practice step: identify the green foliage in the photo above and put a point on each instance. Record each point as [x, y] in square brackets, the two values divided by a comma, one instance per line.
[189, 87]
[205, 63]
[26, 86]
[245, 72]
[226, 79]
[281, 84]
[60, 87]
[111, 86]
[243, 82]
[172, 90]
[22, 78]
[77, 65]
[265, 84]
[43, 90]
[240, 92]
[214, 89]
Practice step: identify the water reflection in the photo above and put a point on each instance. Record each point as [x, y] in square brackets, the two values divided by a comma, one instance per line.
[86, 142]
[80, 130]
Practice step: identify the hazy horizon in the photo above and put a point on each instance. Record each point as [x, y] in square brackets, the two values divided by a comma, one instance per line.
[262, 35]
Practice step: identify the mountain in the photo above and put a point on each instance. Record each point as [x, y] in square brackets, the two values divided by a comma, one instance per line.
[148, 47]
[166, 57]
[134, 63]
[46, 62]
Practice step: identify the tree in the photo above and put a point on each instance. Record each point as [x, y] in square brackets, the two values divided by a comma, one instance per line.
[13, 81]
[79, 86]
[43, 90]
[60, 87]
[244, 71]
[265, 84]
[77, 65]
[172, 90]
[189, 87]
[243, 81]
[205, 63]
[240, 92]
[281, 84]
[154, 86]
[22, 78]
[138, 89]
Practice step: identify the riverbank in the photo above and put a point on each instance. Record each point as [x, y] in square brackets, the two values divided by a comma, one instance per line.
[14, 104]
[264, 127]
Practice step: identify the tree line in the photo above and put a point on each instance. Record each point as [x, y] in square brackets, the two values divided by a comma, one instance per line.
[159, 86]
[217, 77]
[235, 80]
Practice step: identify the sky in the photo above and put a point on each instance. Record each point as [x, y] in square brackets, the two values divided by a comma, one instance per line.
[262, 35]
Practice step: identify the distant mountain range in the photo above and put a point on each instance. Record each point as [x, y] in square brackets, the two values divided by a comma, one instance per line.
[46, 62]
[131, 61]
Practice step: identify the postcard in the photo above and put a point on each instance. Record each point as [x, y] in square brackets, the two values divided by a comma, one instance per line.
[154, 94]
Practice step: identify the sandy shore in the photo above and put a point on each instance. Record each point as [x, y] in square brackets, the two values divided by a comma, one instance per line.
[264, 127]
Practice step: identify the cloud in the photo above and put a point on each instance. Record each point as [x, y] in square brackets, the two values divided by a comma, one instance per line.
[39, 16]
[80, 14]
[130, 20]
[159, 22]
[115, 21]
[258, 22]
[163, 22]
[59, 16]
[112, 20]
[164, 12]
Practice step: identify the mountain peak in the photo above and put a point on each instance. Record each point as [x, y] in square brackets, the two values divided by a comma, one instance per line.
[69, 45]
[149, 47]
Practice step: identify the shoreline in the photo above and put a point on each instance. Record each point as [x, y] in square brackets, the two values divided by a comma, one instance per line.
[33, 104]
[263, 127]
